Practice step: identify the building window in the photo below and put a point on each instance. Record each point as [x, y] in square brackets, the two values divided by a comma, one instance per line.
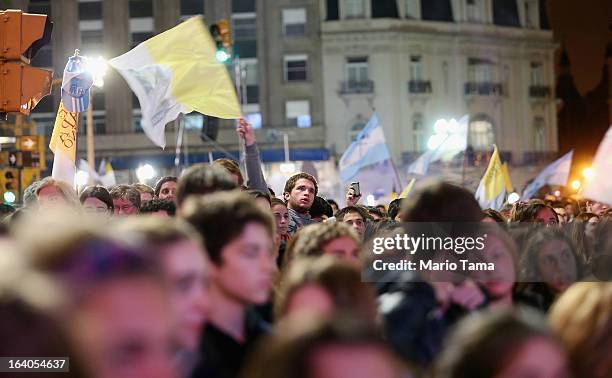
[141, 8]
[530, 8]
[296, 67]
[418, 130]
[191, 8]
[537, 78]
[244, 26]
[243, 6]
[474, 10]
[252, 114]
[481, 136]
[416, 68]
[298, 113]
[354, 8]
[294, 22]
[413, 9]
[249, 67]
[357, 70]
[90, 10]
[539, 125]
[141, 21]
[480, 70]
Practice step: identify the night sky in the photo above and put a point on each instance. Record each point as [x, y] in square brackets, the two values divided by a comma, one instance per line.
[582, 26]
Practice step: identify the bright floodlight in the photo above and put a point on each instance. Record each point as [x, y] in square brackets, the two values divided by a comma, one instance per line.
[576, 184]
[557, 193]
[588, 173]
[145, 172]
[222, 56]
[82, 177]
[9, 197]
[97, 67]
[513, 198]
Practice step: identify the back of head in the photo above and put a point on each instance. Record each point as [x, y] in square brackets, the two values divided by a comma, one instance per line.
[144, 188]
[483, 343]
[313, 237]
[293, 351]
[221, 217]
[340, 280]
[528, 211]
[202, 179]
[441, 202]
[320, 207]
[582, 318]
[232, 167]
[156, 205]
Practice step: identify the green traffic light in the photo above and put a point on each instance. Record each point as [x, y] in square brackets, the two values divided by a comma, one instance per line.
[9, 197]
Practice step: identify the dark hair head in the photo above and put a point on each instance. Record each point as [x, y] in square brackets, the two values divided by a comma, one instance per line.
[331, 202]
[202, 179]
[495, 215]
[483, 343]
[585, 217]
[320, 207]
[289, 353]
[374, 210]
[156, 205]
[259, 194]
[161, 182]
[275, 201]
[221, 217]
[29, 194]
[100, 193]
[290, 184]
[394, 208]
[353, 209]
[528, 211]
[230, 166]
[441, 202]
[126, 192]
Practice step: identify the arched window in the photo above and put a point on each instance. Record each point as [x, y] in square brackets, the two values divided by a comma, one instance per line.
[539, 127]
[481, 134]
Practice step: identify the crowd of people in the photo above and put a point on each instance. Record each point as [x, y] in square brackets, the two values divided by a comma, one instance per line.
[212, 275]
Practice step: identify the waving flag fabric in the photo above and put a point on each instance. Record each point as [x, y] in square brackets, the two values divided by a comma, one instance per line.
[491, 191]
[599, 188]
[556, 173]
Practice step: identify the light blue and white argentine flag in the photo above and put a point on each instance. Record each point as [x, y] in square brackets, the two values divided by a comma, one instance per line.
[556, 173]
[369, 148]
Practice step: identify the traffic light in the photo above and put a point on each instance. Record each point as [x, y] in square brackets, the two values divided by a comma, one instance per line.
[21, 36]
[9, 184]
[222, 36]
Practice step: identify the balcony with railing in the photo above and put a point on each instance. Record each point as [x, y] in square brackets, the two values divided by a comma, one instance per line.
[483, 89]
[539, 91]
[357, 87]
[419, 86]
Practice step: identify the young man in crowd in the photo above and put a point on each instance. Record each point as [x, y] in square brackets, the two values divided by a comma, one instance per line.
[166, 188]
[299, 193]
[354, 216]
[238, 236]
[126, 200]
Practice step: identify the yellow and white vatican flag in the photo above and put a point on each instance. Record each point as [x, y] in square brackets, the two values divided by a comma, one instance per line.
[63, 144]
[407, 189]
[491, 191]
[177, 72]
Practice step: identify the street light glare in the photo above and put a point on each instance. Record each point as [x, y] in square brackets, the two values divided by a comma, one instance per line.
[97, 67]
[576, 184]
[588, 173]
[513, 198]
[222, 56]
[145, 172]
[9, 197]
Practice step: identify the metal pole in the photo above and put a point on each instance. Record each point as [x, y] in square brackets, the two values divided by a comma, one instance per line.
[91, 155]
[179, 143]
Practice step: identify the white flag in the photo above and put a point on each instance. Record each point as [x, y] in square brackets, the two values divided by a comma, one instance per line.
[599, 188]
[556, 173]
